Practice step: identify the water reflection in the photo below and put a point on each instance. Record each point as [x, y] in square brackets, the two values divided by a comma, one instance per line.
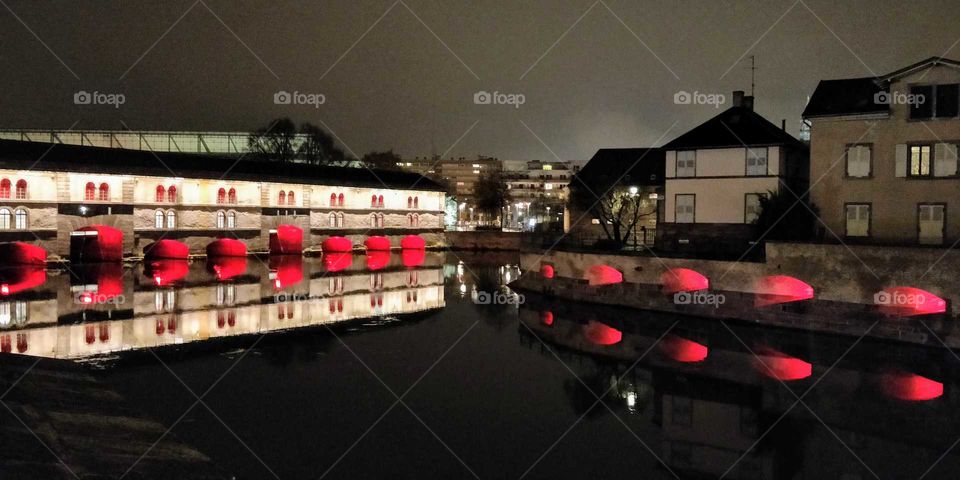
[96, 309]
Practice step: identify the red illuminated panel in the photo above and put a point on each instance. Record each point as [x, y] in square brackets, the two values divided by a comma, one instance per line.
[414, 242]
[601, 334]
[378, 243]
[781, 366]
[335, 262]
[683, 280]
[682, 350]
[285, 270]
[377, 260]
[546, 271]
[603, 275]
[337, 244]
[15, 279]
[20, 253]
[227, 247]
[226, 268]
[286, 240]
[546, 318]
[908, 302]
[910, 387]
[166, 272]
[166, 249]
[107, 276]
[777, 289]
[96, 243]
[412, 258]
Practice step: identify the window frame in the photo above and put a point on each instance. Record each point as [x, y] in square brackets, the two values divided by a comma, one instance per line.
[931, 167]
[676, 203]
[846, 161]
[17, 213]
[6, 218]
[20, 190]
[171, 219]
[676, 168]
[846, 233]
[746, 161]
[159, 219]
[932, 101]
[943, 227]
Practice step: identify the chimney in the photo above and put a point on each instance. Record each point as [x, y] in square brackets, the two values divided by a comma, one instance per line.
[738, 98]
[748, 102]
[783, 124]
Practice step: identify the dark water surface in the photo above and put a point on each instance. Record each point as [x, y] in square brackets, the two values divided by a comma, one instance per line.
[319, 371]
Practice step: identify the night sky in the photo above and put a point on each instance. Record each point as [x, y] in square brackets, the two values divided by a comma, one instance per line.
[402, 74]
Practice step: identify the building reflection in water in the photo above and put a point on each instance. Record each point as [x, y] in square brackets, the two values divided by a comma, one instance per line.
[90, 310]
[712, 401]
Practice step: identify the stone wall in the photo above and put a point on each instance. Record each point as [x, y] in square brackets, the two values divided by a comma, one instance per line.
[481, 240]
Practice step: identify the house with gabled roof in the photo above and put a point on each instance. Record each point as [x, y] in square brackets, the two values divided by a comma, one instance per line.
[883, 155]
[716, 175]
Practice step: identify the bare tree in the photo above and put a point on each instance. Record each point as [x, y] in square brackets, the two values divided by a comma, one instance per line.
[619, 210]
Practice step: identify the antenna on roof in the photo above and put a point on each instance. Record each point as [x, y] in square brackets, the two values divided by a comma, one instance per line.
[753, 74]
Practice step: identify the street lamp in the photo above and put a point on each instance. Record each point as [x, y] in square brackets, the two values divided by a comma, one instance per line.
[633, 190]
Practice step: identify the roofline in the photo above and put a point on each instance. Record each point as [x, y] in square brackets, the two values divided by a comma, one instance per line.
[879, 115]
[739, 145]
[932, 61]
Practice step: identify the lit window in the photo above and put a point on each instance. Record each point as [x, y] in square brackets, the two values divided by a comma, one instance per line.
[380, 201]
[158, 219]
[5, 188]
[858, 220]
[20, 219]
[919, 161]
[104, 192]
[373, 220]
[221, 196]
[339, 220]
[5, 218]
[333, 220]
[161, 193]
[373, 201]
[340, 200]
[290, 200]
[757, 161]
[687, 163]
[232, 196]
[283, 198]
[333, 199]
[21, 189]
[221, 219]
[231, 220]
[90, 191]
[858, 161]
[409, 202]
[171, 219]
[172, 194]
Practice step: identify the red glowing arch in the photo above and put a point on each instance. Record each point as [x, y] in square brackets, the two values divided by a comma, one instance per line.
[96, 243]
[603, 275]
[777, 289]
[683, 280]
[108, 278]
[227, 247]
[285, 270]
[286, 240]
[166, 272]
[682, 350]
[377, 259]
[337, 244]
[337, 261]
[413, 242]
[15, 279]
[20, 253]
[781, 366]
[546, 318]
[226, 268]
[166, 249]
[412, 258]
[910, 387]
[546, 271]
[379, 243]
[908, 302]
[601, 333]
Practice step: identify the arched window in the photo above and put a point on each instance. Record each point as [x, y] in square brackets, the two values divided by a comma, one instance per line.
[339, 220]
[409, 202]
[5, 188]
[340, 200]
[171, 219]
[172, 194]
[373, 201]
[380, 220]
[158, 219]
[20, 219]
[333, 220]
[221, 196]
[104, 192]
[161, 193]
[416, 202]
[232, 196]
[290, 200]
[283, 198]
[416, 220]
[380, 201]
[409, 220]
[5, 218]
[333, 199]
[90, 192]
[221, 219]
[373, 220]
[21, 189]
[231, 219]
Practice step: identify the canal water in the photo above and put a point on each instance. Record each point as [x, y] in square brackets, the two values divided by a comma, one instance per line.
[407, 366]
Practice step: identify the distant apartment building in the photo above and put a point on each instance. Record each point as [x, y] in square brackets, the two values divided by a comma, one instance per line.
[884, 155]
[460, 175]
[716, 175]
[538, 192]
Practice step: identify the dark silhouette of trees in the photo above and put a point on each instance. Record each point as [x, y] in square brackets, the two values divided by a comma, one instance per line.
[491, 194]
[283, 142]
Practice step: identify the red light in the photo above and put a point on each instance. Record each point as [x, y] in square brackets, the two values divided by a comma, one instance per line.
[5, 289]
[777, 289]
[683, 350]
[781, 366]
[683, 280]
[603, 275]
[546, 271]
[908, 302]
[910, 387]
[601, 333]
[546, 318]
